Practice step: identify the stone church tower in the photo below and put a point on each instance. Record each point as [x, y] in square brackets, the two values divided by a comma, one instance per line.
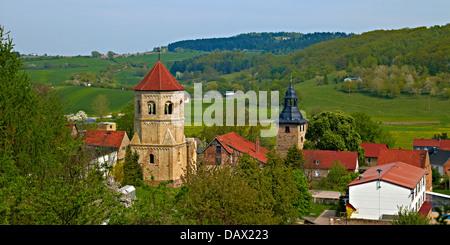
[159, 139]
[291, 124]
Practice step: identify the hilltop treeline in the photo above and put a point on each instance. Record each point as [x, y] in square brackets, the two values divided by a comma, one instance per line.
[279, 42]
[422, 53]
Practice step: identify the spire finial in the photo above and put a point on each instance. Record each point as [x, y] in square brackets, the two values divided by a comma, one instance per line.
[159, 54]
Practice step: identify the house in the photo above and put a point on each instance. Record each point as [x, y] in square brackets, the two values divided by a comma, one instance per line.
[381, 190]
[108, 141]
[372, 151]
[418, 158]
[440, 159]
[226, 149]
[431, 144]
[352, 79]
[319, 162]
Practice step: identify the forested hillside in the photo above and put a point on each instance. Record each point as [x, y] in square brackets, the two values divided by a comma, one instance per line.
[279, 42]
[390, 62]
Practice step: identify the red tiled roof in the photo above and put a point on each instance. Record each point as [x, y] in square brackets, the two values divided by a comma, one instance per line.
[158, 79]
[373, 149]
[445, 145]
[234, 140]
[398, 173]
[426, 142]
[347, 158]
[414, 157]
[104, 138]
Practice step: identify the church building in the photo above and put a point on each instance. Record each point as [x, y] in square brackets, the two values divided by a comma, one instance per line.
[291, 124]
[164, 151]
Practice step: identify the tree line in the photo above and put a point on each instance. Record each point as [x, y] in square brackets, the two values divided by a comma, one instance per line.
[275, 42]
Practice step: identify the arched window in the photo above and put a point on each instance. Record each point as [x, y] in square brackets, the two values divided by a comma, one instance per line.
[287, 129]
[139, 107]
[151, 108]
[152, 159]
[168, 108]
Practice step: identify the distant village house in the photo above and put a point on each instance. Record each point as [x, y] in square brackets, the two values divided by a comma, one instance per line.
[319, 162]
[226, 149]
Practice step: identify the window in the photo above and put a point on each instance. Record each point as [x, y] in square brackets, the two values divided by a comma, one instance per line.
[317, 162]
[152, 159]
[301, 128]
[151, 108]
[218, 160]
[317, 173]
[218, 149]
[168, 108]
[287, 129]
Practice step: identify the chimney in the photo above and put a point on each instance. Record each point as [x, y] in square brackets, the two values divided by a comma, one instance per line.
[257, 146]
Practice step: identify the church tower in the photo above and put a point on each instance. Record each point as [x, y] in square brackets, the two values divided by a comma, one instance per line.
[291, 124]
[159, 126]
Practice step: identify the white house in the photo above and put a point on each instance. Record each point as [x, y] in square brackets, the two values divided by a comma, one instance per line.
[381, 190]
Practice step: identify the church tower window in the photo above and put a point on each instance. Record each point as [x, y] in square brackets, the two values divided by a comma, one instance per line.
[152, 159]
[151, 108]
[168, 108]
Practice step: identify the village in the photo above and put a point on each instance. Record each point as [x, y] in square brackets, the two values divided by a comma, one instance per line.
[389, 179]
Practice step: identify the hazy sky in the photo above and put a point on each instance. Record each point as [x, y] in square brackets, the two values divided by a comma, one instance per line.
[73, 27]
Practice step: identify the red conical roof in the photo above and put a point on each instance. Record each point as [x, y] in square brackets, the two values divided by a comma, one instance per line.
[159, 79]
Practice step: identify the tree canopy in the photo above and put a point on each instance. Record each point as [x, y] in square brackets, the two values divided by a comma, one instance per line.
[334, 130]
[45, 174]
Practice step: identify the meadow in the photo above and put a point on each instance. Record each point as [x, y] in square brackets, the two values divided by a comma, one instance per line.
[56, 71]
[81, 98]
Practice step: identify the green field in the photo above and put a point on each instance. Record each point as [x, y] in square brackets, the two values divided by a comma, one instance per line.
[59, 70]
[80, 98]
[404, 108]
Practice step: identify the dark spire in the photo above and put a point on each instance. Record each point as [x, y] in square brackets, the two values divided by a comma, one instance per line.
[291, 113]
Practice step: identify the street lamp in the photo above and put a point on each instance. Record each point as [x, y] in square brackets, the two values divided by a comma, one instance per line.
[379, 179]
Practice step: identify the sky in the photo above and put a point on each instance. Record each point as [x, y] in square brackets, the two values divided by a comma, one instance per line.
[78, 27]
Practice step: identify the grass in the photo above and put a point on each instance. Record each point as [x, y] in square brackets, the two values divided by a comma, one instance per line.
[80, 98]
[57, 76]
[405, 134]
[402, 108]
[317, 209]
